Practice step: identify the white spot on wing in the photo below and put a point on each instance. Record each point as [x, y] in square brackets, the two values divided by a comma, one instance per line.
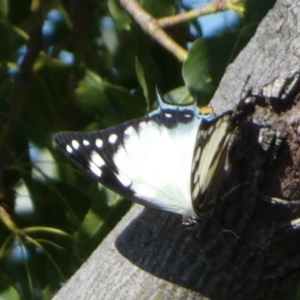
[69, 148]
[129, 130]
[85, 142]
[97, 159]
[75, 144]
[168, 115]
[124, 180]
[112, 138]
[95, 169]
[99, 143]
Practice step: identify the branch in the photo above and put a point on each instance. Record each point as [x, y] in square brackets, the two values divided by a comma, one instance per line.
[154, 27]
[150, 26]
[211, 8]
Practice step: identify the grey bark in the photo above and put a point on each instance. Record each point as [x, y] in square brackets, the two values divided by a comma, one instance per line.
[249, 249]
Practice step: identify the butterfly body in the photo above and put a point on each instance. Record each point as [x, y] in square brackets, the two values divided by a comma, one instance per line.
[156, 160]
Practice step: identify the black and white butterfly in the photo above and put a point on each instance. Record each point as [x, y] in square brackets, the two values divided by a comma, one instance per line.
[172, 159]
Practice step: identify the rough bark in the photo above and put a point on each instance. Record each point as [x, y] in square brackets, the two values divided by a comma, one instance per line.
[249, 249]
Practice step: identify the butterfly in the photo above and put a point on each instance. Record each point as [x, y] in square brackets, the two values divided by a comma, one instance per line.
[171, 160]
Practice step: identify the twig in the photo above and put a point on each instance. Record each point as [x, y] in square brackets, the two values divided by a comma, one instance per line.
[154, 27]
[211, 8]
[151, 26]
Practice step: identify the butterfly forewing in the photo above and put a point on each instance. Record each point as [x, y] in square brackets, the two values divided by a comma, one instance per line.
[147, 160]
[208, 162]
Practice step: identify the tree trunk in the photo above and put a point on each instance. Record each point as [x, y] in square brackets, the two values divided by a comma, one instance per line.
[249, 248]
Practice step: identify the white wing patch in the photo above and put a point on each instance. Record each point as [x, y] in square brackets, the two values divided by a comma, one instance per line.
[124, 180]
[158, 162]
[96, 170]
[97, 159]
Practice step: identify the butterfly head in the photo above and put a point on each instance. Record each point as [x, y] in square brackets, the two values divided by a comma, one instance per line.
[189, 110]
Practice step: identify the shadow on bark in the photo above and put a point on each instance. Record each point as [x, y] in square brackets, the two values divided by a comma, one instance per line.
[249, 249]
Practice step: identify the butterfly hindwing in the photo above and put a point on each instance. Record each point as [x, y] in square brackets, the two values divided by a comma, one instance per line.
[209, 161]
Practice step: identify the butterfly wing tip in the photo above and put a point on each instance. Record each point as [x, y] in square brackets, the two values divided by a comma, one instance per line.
[58, 140]
[55, 136]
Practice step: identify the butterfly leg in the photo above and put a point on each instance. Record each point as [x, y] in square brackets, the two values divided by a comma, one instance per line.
[280, 201]
[232, 190]
[293, 224]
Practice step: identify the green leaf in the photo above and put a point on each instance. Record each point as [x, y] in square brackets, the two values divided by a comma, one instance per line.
[158, 8]
[133, 103]
[11, 38]
[99, 221]
[154, 65]
[119, 14]
[179, 96]
[3, 8]
[206, 64]
[90, 93]
[7, 290]
[50, 89]
[146, 69]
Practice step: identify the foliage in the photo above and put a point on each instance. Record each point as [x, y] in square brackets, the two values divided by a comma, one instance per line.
[68, 65]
